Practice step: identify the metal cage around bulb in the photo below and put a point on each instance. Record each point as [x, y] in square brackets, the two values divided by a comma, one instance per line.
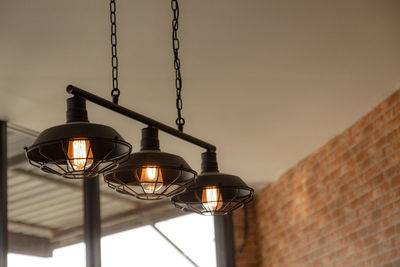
[97, 148]
[171, 175]
[151, 174]
[214, 193]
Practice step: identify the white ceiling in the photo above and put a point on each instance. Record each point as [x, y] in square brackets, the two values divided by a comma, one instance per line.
[267, 81]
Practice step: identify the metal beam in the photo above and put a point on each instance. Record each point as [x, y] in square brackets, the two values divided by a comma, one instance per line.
[26, 227]
[22, 130]
[30, 245]
[91, 192]
[147, 215]
[224, 241]
[3, 195]
[175, 246]
[110, 196]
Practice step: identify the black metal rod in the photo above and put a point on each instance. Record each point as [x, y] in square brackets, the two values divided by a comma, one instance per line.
[138, 117]
[175, 246]
[224, 241]
[91, 194]
[3, 195]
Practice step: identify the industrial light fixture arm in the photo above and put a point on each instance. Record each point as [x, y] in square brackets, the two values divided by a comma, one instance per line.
[139, 117]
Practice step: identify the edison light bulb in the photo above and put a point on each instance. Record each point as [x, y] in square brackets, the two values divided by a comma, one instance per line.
[151, 179]
[211, 198]
[80, 157]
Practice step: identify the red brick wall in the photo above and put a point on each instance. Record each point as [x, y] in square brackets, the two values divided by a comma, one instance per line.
[340, 206]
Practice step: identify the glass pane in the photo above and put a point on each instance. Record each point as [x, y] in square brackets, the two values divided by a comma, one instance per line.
[144, 246]
[194, 234]
[140, 247]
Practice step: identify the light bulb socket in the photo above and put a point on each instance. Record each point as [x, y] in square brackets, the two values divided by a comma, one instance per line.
[150, 139]
[209, 162]
[76, 109]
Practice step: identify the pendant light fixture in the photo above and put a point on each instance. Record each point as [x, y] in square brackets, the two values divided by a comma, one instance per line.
[151, 174]
[78, 149]
[214, 193]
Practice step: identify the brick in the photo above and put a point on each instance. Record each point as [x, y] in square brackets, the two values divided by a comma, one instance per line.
[396, 181]
[340, 206]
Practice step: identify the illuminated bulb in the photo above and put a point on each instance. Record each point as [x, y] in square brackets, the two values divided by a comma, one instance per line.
[211, 198]
[79, 156]
[151, 179]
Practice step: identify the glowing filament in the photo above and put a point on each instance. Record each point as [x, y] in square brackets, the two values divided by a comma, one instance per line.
[79, 154]
[211, 198]
[151, 179]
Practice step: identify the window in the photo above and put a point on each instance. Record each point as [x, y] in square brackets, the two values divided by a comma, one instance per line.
[143, 246]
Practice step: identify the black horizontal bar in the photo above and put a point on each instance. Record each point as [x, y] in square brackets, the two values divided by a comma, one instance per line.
[139, 117]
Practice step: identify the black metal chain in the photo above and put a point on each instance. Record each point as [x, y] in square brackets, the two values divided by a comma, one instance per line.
[114, 59]
[180, 121]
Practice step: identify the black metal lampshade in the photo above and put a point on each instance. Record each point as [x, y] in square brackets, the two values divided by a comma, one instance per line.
[214, 193]
[151, 174]
[78, 149]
